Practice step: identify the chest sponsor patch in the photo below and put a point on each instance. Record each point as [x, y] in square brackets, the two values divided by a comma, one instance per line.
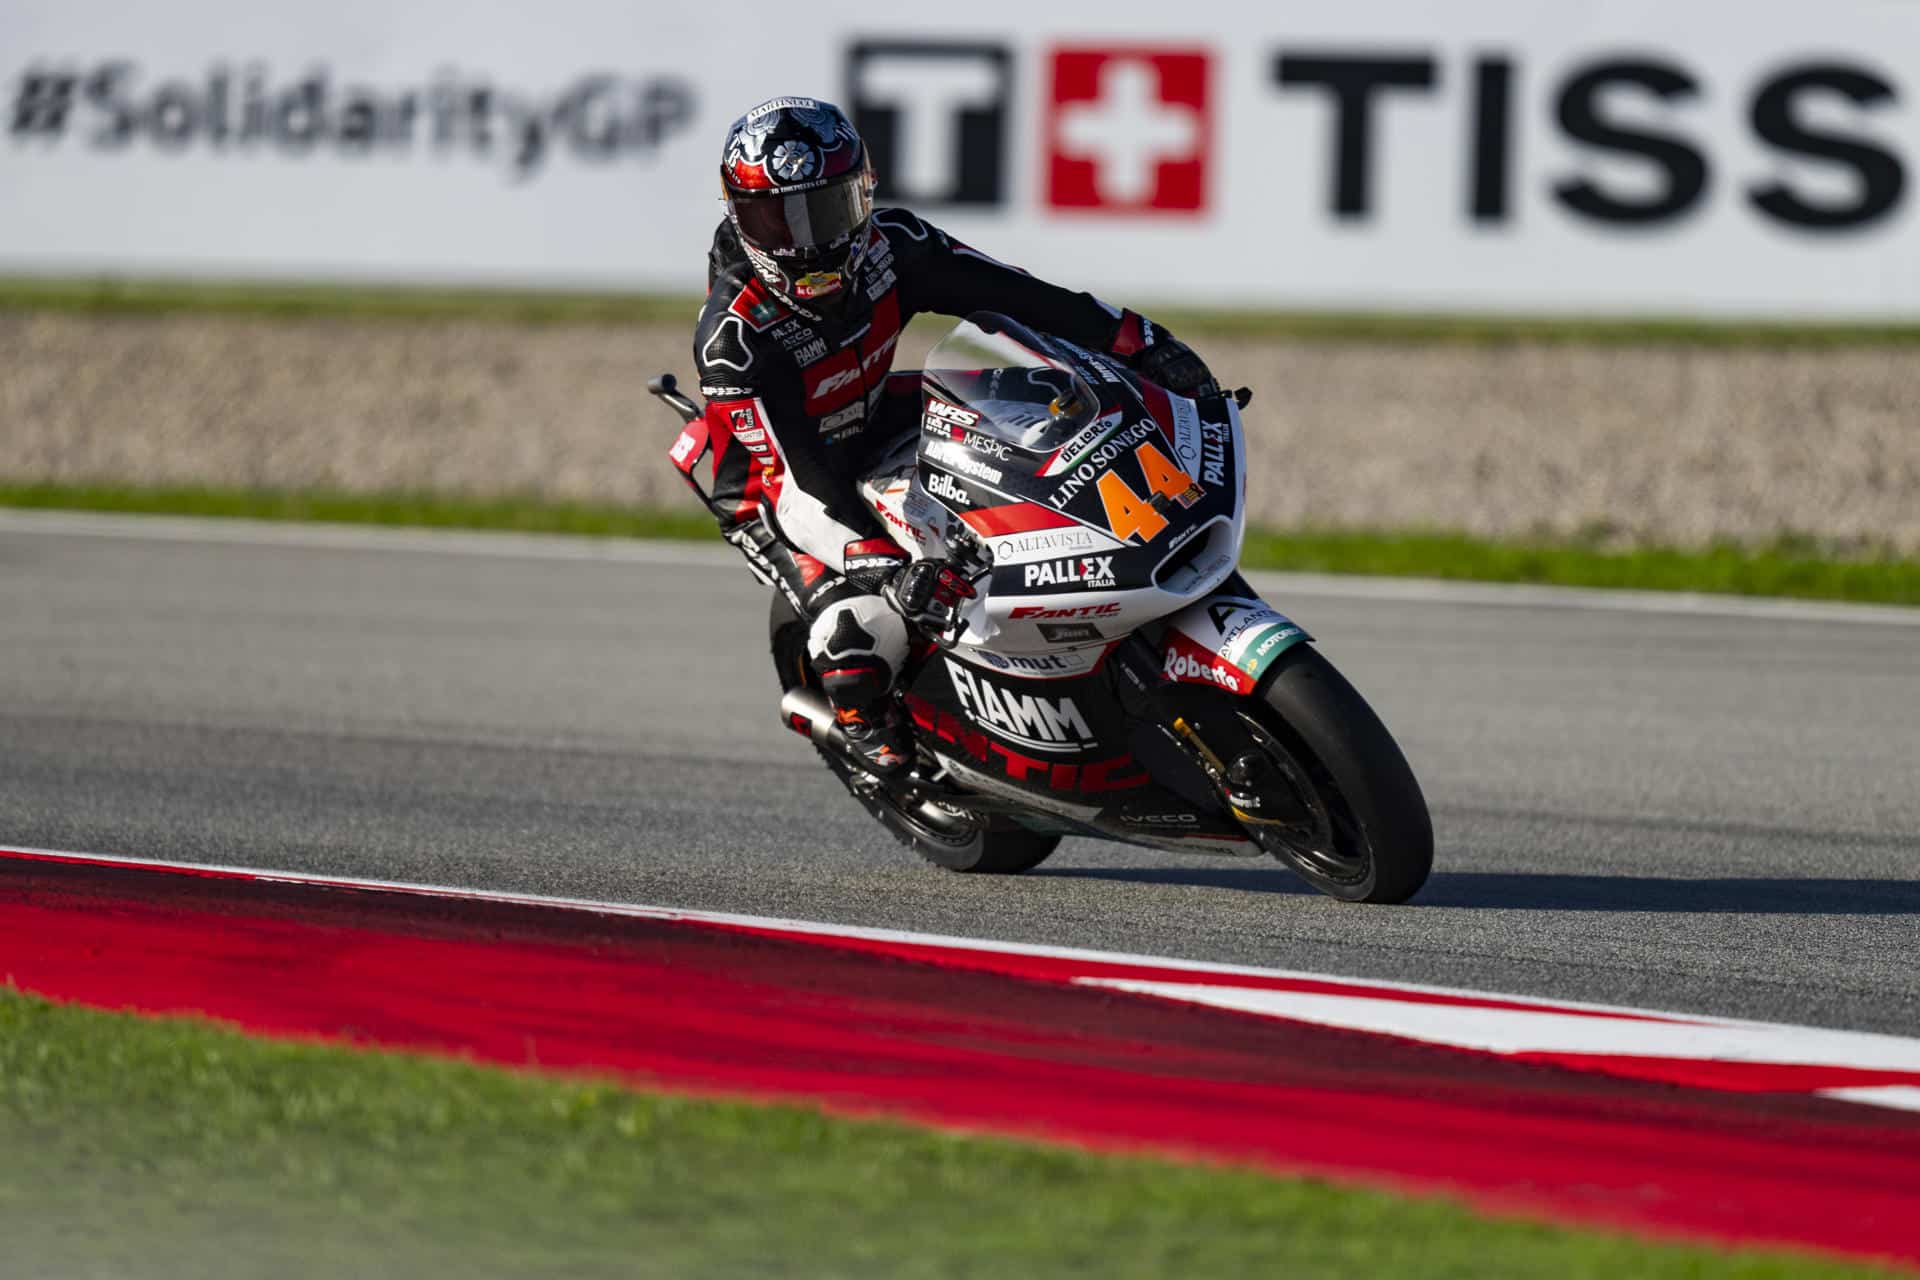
[853, 413]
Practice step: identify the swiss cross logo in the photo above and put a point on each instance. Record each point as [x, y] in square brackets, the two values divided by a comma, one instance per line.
[1128, 129]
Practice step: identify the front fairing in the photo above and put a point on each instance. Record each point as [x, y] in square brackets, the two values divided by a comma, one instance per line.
[1092, 528]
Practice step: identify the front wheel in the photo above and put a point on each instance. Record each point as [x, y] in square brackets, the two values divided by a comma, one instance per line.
[1338, 802]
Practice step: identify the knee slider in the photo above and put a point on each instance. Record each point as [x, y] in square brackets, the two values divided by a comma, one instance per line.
[857, 646]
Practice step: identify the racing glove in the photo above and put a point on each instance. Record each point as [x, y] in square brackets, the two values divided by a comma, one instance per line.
[1157, 355]
[927, 593]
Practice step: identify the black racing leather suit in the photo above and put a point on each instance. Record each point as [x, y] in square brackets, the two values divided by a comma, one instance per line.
[799, 407]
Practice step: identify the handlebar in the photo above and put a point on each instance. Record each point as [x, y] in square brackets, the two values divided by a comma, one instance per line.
[667, 388]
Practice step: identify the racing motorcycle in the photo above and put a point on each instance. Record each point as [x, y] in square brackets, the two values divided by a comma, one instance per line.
[1114, 675]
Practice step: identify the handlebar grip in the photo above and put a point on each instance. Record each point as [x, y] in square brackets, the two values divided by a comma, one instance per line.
[667, 388]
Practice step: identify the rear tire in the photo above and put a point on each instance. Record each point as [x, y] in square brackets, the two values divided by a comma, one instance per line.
[947, 837]
[1367, 835]
[952, 839]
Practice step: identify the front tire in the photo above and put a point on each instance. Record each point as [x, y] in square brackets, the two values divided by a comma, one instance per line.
[1358, 827]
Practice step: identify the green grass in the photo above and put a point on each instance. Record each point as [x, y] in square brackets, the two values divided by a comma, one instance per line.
[421, 510]
[1796, 567]
[161, 1148]
[113, 296]
[116, 296]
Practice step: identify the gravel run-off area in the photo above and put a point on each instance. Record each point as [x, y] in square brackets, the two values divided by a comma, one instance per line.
[1655, 445]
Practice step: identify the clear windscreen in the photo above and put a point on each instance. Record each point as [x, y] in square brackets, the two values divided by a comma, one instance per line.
[1024, 391]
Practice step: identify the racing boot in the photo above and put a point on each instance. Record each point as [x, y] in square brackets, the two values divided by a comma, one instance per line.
[856, 645]
[879, 736]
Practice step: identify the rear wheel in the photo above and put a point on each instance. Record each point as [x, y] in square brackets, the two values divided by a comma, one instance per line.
[946, 835]
[1338, 802]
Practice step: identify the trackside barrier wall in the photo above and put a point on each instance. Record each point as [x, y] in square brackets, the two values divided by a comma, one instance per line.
[1518, 155]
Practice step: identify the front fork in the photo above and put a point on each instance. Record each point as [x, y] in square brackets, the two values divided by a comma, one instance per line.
[1207, 727]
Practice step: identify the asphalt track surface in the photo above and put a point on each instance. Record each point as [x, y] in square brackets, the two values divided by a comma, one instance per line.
[1682, 805]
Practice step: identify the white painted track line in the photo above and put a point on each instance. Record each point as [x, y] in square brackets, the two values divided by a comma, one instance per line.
[1277, 586]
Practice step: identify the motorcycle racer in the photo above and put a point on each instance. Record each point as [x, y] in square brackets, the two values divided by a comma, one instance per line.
[809, 286]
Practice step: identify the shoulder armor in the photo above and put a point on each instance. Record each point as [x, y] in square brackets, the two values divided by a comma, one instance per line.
[722, 345]
[903, 228]
[725, 258]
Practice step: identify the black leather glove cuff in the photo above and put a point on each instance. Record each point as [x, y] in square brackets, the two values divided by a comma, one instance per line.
[1152, 351]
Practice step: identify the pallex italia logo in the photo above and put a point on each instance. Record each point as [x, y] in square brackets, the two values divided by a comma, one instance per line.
[1124, 129]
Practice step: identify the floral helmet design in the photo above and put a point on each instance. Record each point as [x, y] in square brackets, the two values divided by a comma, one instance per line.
[799, 190]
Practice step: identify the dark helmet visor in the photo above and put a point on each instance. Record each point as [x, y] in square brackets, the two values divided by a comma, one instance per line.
[803, 221]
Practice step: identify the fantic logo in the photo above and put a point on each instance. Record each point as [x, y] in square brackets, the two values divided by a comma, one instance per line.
[1083, 611]
[834, 381]
[942, 485]
[1032, 720]
[882, 351]
[1182, 666]
[1087, 571]
[1128, 130]
[899, 523]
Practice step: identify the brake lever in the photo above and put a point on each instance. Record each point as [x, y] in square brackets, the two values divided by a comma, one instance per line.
[666, 388]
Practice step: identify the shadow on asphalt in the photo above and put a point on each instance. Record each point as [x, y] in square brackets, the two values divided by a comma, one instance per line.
[1537, 891]
[1257, 877]
[1794, 896]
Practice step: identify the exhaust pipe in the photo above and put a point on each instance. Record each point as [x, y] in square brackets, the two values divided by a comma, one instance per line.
[808, 713]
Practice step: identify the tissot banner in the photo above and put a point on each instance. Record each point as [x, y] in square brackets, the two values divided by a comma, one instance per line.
[1486, 155]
